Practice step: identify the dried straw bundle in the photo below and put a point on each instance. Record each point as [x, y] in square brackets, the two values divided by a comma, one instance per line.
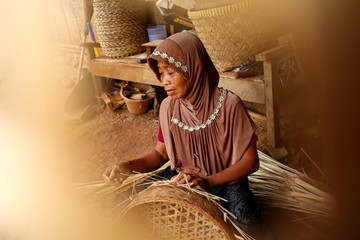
[103, 190]
[274, 184]
[278, 185]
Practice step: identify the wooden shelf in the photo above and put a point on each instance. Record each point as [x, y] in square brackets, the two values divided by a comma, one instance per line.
[124, 69]
[128, 69]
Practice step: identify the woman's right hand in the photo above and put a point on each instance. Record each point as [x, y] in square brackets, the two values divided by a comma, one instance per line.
[117, 173]
[190, 178]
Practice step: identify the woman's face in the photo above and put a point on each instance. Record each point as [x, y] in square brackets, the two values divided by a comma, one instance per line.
[174, 83]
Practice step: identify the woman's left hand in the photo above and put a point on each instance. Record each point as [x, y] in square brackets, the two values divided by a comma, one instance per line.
[191, 178]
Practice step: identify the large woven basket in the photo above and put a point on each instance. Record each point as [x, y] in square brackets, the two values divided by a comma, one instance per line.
[232, 34]
[167, 212]
[121, 26]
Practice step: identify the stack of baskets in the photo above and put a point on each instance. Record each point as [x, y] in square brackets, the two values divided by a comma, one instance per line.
[233, 34]
[121, 26]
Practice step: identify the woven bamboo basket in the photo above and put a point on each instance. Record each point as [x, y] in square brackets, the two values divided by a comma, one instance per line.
[167, 212]
[121, 26]
[232, 34]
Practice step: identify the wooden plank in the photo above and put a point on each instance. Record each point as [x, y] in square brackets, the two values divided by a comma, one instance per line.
[154, 43]
[248, 89]
[91, 44]
[134, 72]
[251, 89]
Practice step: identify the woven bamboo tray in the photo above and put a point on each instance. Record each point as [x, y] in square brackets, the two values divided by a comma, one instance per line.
[232, 34]
[168, 212]
[121, 26]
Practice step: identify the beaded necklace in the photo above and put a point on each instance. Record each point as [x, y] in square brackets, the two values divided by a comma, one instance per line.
[208, 121]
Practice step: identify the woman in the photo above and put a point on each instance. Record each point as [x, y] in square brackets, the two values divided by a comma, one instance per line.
[204, 130]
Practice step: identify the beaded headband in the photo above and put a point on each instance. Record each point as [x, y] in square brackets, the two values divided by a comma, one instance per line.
[171, 60]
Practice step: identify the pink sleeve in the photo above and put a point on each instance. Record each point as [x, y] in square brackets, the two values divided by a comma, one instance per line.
[160, 137]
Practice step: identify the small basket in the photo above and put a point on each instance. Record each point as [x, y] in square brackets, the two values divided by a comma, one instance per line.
[168, 212]
[121, 26]
[232, 34]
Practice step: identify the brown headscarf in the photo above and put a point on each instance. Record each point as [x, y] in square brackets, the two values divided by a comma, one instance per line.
[209, 130]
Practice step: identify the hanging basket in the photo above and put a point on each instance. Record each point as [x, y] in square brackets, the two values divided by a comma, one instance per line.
[232, 34]
[121, 26]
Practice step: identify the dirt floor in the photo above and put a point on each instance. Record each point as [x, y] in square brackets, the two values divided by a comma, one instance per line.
[110, 137]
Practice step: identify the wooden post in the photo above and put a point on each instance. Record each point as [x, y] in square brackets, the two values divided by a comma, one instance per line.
[272, 110]
[271, 81]
[97, 81]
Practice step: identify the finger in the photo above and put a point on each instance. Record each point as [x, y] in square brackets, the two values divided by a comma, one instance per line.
[106, 174]
[114, 171]
[106, 178]
[194, 183]
[116, 180]
[181, 179]
[176, 178]
[185, 179]
[107, 171]
[119, 179]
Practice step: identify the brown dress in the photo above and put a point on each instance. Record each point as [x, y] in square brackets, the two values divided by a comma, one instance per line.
[210, 129]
